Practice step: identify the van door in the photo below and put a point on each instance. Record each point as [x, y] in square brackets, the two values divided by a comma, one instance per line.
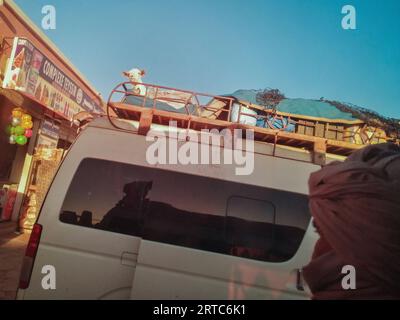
[254, 251]
[166, 271]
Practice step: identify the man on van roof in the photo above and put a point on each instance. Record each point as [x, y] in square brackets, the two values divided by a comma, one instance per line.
[356, 209]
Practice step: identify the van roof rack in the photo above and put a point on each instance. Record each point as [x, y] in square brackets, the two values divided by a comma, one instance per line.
[197, 111]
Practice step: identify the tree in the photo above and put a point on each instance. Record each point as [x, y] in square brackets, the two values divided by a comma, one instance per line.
[269, 97]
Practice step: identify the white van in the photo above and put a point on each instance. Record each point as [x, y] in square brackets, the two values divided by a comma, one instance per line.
[199, 232]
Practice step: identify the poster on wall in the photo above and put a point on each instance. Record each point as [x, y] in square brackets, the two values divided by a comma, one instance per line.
[46, 142]
[32, 72]
[48, 135]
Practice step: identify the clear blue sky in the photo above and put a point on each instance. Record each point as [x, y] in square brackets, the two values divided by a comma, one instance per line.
[218, 46]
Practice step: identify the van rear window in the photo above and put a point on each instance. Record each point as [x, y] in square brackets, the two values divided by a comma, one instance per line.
[186, 210]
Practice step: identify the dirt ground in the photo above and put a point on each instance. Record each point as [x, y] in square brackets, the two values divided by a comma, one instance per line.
[12, 249]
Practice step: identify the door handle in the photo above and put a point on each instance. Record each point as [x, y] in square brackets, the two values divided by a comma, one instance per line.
[299, 280]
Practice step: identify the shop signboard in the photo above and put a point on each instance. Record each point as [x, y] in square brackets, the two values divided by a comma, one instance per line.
[32, 72]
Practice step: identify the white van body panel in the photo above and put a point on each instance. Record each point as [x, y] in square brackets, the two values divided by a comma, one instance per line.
[195, 274]
[95, 264]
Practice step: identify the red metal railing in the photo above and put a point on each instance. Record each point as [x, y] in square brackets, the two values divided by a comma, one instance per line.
[185, 98]
[190, 103]
[175, 98]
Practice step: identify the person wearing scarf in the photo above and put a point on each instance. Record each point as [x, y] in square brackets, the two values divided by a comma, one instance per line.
[355, 206]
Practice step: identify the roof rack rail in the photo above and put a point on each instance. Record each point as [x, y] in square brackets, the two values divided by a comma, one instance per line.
[196, 111]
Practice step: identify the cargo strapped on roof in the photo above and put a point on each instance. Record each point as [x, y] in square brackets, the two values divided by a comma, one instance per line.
[197, 111]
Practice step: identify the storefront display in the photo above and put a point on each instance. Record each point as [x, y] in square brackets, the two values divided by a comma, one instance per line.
[46, 159]
[30, 209]
[8, 194]
[45, 163]
[40, 93]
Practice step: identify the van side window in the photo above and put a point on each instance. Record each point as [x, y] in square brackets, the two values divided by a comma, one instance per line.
[186, 210]
[250, 228]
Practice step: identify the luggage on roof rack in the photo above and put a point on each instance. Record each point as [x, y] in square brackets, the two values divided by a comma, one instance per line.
[197, 111]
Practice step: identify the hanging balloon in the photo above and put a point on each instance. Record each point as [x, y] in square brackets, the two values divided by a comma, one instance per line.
[28, 133]
[11, 139]
[26, 117]
[19, 131]
[17, 112]
[27, 124]
[21, 140]
[15, 121]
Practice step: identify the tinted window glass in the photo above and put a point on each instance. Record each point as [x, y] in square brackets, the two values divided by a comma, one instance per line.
[250, 227]
[186, 210]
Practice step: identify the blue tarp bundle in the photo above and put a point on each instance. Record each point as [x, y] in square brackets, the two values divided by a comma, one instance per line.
[277, 123]
[307, 107]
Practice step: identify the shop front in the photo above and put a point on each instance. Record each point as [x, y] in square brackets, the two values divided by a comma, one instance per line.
[40, 93]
